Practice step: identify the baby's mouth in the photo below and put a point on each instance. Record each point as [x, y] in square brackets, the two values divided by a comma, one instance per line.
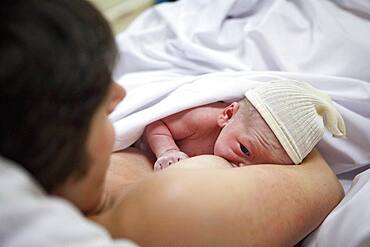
[233, 164]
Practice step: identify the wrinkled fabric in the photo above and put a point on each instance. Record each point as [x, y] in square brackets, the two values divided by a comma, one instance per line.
[318, 37]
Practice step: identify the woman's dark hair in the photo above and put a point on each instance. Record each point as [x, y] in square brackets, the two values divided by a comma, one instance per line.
[55, 70]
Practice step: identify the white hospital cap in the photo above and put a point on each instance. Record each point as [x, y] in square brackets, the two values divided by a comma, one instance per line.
[297, 113]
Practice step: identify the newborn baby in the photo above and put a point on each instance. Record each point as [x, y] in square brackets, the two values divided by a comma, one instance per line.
[235, 131]
[277, 123]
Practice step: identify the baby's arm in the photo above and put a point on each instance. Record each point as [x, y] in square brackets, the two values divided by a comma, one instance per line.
[159, 138]
[163, 145]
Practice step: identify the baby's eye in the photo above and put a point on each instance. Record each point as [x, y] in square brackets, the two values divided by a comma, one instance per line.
[244, 150]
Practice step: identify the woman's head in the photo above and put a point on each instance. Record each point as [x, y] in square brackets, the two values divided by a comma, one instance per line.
[86, 191]
[245, 137]
[56, 64]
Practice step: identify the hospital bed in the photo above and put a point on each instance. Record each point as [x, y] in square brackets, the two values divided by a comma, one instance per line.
[179, 55]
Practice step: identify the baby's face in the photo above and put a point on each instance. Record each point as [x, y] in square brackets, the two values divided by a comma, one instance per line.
[246, 141]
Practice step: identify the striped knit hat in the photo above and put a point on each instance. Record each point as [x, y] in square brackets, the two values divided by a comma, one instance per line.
[296, 113]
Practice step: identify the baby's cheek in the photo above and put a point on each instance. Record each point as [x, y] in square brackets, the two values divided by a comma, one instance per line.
[226, 153]
[217, 151]
[221, 149]
[273, 157]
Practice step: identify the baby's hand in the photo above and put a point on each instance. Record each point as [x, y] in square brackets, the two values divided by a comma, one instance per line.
[168, 158]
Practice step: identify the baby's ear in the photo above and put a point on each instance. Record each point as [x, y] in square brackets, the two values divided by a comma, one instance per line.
[226, 115]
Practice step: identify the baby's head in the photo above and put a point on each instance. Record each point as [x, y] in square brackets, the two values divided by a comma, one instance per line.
[246, 138]
[278, 122]
[297, 114]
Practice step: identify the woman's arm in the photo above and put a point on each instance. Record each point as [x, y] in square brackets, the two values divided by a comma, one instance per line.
[262, 205]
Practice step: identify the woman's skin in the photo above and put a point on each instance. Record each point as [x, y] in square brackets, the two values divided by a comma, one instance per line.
[203, 201]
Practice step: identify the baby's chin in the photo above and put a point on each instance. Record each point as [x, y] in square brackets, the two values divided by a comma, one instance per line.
[238, 164]
[233, 164]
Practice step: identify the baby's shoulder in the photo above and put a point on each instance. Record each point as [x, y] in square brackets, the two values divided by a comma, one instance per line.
[188, 116]
[190, 121]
